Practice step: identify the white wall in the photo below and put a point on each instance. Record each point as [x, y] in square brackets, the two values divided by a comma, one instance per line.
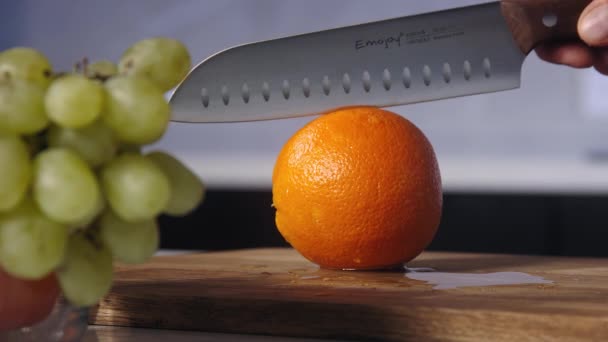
[543, 131]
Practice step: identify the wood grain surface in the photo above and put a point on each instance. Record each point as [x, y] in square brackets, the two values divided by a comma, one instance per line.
[277, 292]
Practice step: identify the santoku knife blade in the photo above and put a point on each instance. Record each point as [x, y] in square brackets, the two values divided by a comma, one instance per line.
[457, 52]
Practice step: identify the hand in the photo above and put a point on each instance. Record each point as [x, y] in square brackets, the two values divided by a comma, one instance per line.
[592, 49]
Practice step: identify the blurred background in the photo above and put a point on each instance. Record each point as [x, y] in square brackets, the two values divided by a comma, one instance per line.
[524, 171]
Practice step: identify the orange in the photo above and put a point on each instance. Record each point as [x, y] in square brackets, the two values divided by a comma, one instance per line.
[357, 188]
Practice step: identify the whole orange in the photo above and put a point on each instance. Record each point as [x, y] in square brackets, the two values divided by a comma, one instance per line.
[357, 188]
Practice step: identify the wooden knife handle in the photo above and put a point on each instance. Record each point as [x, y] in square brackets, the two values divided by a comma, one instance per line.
[533, 22]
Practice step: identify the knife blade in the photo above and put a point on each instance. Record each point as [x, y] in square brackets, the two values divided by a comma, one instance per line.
[457, 52]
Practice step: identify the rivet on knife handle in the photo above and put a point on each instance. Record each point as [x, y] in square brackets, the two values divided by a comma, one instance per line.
[542, 21]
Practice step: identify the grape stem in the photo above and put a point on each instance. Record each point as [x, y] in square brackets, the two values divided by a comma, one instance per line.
[92, 234]
[81, 67]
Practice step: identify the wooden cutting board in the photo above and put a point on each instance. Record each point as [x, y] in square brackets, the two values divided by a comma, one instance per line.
[277, 292]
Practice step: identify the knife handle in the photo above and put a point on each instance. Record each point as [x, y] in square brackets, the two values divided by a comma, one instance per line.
[534, 22]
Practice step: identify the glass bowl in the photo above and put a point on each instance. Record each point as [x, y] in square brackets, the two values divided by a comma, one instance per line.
[66, 323]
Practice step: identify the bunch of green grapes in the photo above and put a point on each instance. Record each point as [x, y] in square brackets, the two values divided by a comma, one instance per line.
[76, 190]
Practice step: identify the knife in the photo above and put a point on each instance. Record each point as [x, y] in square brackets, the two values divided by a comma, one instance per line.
[432, 56]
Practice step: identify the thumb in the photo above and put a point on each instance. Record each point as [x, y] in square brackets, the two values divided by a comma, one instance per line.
[593, 24]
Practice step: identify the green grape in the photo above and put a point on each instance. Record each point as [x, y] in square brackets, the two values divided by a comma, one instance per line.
[88, 221]
[15, 170]
[86, 274]
[94, 143]
[31, 244]
[136, 110]
[162, 60]
[135, 188]
[187, 190]
[74, 101]
[25, 64]
[129, 242]
[64, 186]
[102, 69]
[22, 107]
